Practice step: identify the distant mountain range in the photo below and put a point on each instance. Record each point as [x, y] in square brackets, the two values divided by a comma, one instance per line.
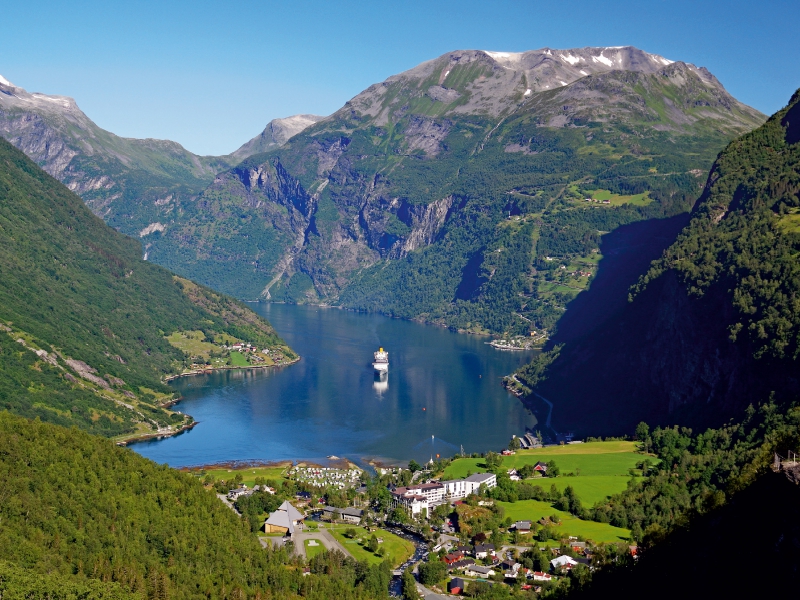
[453, 192]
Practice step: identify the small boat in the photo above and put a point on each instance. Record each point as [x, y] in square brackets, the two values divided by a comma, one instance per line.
[381, 364]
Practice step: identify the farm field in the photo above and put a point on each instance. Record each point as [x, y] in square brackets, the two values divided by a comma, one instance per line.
[617, 463]
[600, 469]
[239, 360]
[534, 510]
[590, 489]
[618, 200]
[249, 474]
[397, 549]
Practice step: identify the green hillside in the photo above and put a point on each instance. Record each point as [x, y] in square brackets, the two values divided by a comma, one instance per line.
[82, 518]
[714, 324]
[451, 194]
[83, 320]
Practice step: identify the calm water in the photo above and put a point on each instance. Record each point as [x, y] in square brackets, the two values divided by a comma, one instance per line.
[440, 384]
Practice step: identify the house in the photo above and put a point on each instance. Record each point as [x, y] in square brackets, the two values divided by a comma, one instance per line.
[513, 475]
[540, 576]
[462, 564]
[348, 515]
[541, 467]
[484, 550]
[479, 571]
[563, 562]
[465, 550]
[453, 557]
[510, 568]
[234, 495]
[285, 520]
[523, 526]
[455, 585]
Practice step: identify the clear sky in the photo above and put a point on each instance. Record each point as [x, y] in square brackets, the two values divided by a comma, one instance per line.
[211, 74]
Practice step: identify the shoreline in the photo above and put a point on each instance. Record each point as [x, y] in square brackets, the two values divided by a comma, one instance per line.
[143, 437]
[169, 378]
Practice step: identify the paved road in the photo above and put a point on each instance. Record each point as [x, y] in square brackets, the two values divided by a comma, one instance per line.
[429, 595]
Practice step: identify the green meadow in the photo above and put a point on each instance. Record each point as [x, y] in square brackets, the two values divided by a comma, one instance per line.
[396, 548]
[534, 510]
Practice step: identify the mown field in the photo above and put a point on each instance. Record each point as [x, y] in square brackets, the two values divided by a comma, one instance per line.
[313, 550]
[595, 470]
[534, 510]
[397, 549]
[249, 474]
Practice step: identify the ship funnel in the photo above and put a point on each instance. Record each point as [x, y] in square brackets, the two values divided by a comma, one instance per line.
[381, 350]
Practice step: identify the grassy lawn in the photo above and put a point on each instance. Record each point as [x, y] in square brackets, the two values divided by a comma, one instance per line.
[591, 489]
[313, 550]
[397, 549]
[586, 448]
[238, 360]
[601, 468]
[581, 464]
[249, 474]
[192, 343]
[617, 200]
[570, 525]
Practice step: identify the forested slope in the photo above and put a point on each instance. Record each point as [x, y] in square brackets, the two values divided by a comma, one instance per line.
[713, 325]
[76, 511]
[83, 319]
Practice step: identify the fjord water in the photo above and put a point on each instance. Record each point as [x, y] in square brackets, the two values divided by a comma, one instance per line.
[440, 384]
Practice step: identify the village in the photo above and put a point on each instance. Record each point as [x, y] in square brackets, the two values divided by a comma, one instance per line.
[495, 524]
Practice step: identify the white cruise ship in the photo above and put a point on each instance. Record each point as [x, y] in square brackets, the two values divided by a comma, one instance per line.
[381, 364]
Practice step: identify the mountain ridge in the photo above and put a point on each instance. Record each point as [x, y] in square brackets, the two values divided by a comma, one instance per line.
[712, 325]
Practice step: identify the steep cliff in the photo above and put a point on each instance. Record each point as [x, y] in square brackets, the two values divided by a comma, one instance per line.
[714, 324]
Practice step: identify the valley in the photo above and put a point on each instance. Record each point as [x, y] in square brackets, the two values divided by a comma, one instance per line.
[615, 230]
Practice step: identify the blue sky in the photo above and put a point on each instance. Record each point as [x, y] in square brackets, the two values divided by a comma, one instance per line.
[210, 75]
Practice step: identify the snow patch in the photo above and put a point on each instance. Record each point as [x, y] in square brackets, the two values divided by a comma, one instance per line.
[152, 228]
[5, 81]
[63, 102]
[582, 72]
[548, 53]
[660, 59]
[602, 59]
[506, 55]
[571, 59]
[527, 92]
[446, 73]
[562, 82]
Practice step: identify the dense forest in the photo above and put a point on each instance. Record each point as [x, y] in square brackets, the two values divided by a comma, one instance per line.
[713, 325]
[78, 512]
[73, 289]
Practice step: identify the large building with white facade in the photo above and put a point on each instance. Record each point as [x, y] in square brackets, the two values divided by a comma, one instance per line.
[430, 495]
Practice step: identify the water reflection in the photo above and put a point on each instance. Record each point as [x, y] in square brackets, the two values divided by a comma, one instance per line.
[443, 385]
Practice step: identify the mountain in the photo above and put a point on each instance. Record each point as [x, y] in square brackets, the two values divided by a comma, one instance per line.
[133, 184]
[713, 325]
[83, 516]
[84, 321]
[275, 134]
[456, 192]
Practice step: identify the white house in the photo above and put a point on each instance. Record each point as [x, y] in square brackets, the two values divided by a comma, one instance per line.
[563, 562]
